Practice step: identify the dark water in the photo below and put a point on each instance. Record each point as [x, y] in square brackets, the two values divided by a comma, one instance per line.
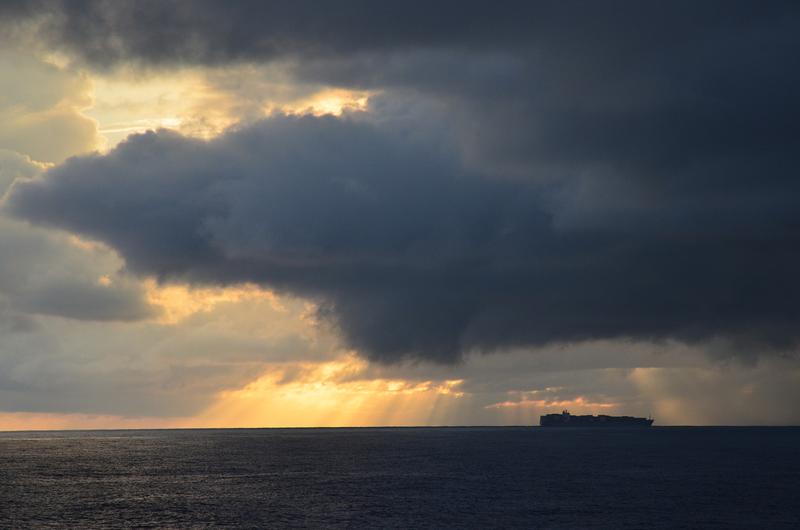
[407, 478]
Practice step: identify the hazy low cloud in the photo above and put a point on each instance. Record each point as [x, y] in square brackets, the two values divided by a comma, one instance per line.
[47, 273]
[13, 166]
[40, 108]
[146, 368]
[410, 253]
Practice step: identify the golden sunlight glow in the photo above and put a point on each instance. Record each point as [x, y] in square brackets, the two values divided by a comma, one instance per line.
[204, 103]
[178, 301]
[325, 395]
[37, 421]
[86, 244]
[330, 101]
[129, 103]
[654, 383]
[579, 403]
[141, 125]
[334, 394]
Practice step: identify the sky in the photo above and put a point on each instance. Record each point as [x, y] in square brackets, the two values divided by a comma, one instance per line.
[264, 214]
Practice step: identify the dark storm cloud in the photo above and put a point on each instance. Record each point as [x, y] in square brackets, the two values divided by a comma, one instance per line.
[578, 170]
[210, 31]
[104, 32]
[641, 99]
[411, 254]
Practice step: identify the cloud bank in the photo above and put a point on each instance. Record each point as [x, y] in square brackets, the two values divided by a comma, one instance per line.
[412, 254]
[541, 173]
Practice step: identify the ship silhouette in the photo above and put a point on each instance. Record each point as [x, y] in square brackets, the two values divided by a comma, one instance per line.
[565, 419]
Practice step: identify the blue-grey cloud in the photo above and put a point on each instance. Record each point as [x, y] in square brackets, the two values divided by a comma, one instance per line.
[44, 273]
[170, 32]
[412, 254]
[580, 170]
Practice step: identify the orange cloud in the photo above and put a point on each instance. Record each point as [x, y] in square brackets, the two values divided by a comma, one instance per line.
[179, 301]
[578, 403]
[331, 394]
[36, 421]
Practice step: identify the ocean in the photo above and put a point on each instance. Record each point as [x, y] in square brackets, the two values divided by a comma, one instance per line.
[521, 477]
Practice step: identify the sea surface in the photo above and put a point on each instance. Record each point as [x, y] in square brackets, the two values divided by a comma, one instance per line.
[525, 477]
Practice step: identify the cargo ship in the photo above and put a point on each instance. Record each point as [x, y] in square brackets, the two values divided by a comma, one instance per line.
[565, 419]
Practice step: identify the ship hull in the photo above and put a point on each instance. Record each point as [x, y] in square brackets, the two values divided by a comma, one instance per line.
[568, 420]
